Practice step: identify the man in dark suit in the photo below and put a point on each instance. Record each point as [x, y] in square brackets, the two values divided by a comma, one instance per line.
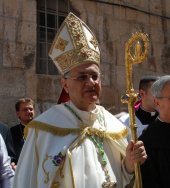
[6, 134]
[25, 112]
[155, 171]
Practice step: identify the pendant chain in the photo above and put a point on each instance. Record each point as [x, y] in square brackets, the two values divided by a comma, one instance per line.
[107, 183]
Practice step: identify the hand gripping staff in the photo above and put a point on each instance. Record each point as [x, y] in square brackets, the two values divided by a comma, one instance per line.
[140, 54]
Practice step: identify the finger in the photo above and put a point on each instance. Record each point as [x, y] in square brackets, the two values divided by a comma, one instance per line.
[12, 164]
[137, 145]
[137, 150]
[140, 157]
[130, 146]
[138, 154]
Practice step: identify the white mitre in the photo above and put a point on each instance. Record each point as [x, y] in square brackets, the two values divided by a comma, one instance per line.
[74, 44]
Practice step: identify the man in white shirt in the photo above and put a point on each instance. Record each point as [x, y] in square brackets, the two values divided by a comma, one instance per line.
[77, 144]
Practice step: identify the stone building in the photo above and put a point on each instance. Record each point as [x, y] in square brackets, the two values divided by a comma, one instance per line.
[27, 28]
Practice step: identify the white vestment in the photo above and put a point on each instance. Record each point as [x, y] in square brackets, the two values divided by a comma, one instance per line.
[81, 164]
[125, 120]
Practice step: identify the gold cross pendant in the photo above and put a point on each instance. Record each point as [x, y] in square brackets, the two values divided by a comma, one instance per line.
[108, 184]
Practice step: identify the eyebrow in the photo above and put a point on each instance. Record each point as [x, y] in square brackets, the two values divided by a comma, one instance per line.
[88, 72]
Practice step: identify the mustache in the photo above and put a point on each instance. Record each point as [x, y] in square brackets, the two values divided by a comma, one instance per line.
[92, 89]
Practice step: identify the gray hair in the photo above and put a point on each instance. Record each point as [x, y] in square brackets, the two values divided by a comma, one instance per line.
[157, 87]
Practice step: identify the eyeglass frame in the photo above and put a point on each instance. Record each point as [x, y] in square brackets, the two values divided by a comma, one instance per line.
[87, 77]
[163, 98]
[27, 109]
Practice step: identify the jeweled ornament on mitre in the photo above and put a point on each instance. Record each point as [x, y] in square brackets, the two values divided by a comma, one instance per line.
[61, 44]
[74, 44]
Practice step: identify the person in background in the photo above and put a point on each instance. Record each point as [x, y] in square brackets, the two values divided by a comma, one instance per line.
[77, 143]
[155, 172]
[146, 112]
[6, 171]
[25, 112]
[6, 135]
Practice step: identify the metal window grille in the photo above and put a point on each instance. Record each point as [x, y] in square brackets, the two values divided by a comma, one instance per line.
[50, 15]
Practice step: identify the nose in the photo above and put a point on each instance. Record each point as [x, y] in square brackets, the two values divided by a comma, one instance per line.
[90, 81]
[29, 110]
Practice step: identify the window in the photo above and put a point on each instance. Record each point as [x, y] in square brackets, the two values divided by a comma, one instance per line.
[50, 15]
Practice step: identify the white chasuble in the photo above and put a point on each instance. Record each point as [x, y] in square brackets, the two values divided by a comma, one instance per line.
[62, 150]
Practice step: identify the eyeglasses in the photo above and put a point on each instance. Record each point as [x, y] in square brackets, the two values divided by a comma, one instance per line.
[163, 98]
[27, 109]
[85, 77]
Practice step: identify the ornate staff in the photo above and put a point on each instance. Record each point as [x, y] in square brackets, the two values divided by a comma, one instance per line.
[131, 97]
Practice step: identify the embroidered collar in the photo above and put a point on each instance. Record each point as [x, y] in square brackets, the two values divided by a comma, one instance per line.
[87, 117]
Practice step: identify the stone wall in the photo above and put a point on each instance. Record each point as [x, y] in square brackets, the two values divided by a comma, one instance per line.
[18, 76]
[112, 24]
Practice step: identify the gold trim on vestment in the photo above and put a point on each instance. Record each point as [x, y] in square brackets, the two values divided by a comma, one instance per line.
[70, 156]
[55, 183]
[43, 167]
[84, 131]
[37, 155]
[71, 168]
[58, 131]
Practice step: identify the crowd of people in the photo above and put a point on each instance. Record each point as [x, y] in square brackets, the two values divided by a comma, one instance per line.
[78, 143]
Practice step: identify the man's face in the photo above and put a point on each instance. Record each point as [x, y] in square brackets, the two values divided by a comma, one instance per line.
[83, 93]
[163, 104]
[26, 112]
[147, 99]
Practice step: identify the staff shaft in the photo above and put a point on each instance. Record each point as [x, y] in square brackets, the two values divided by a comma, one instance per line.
[133, 129]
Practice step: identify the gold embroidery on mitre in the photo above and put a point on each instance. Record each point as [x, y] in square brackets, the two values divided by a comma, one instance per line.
[70, 59]
[56, 37]
[81, 52]
[75, 30]
[94, 42]
[61, 44]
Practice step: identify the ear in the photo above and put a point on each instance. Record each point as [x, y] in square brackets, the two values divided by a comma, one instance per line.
[142, 93]
[64, 83]
[157, 103]
[17, 113]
